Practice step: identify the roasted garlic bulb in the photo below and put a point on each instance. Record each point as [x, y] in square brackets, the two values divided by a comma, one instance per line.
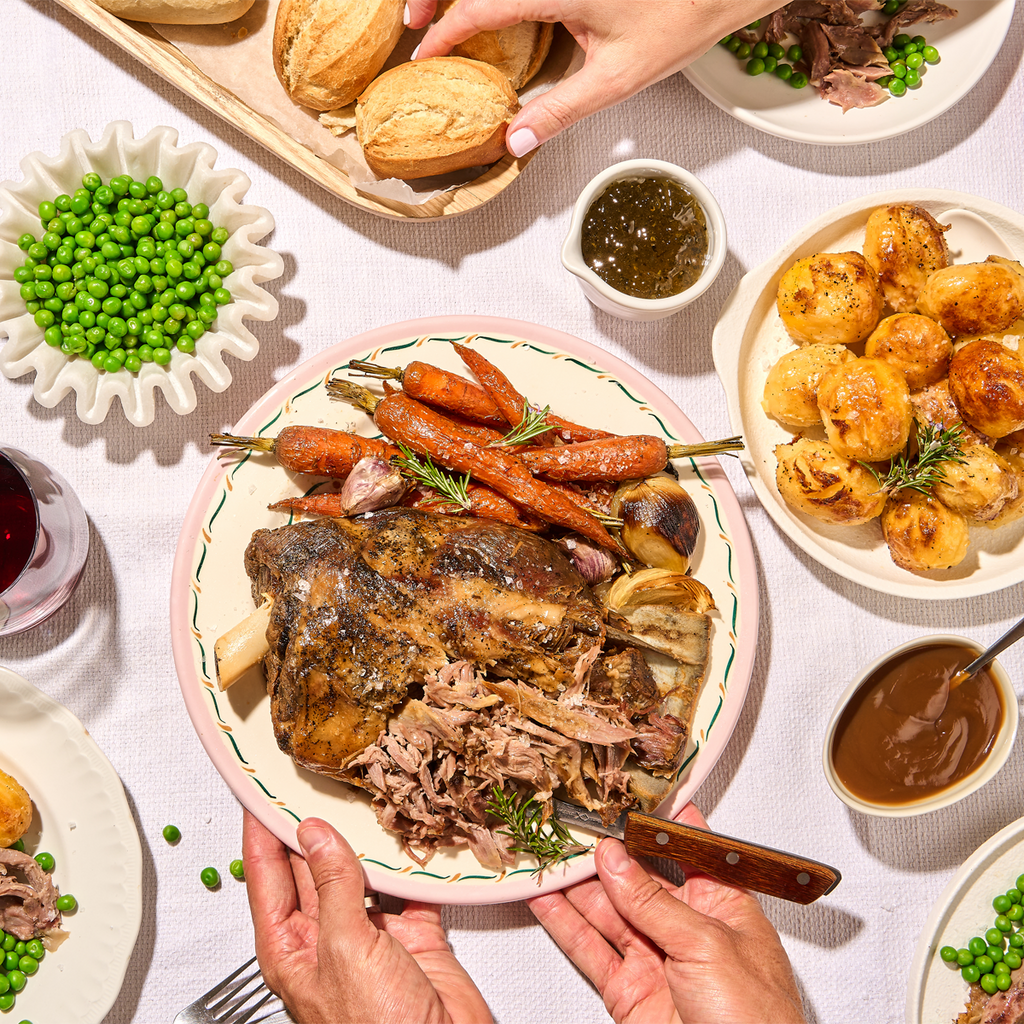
[986, 380]
[812, 478]
[660, 522]
[865, 408]
[973, 298]
[791, 388]
[15, 810]
[922, 533]
[904, 243]
[657, 586]
[917, 346]
[833, 298]
[979, 487]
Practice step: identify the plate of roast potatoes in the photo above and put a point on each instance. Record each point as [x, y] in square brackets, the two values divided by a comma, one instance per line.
[875, 367]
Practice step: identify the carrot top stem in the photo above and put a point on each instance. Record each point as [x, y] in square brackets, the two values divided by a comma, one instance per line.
[254, 444]
[723, 447]
[354, 394]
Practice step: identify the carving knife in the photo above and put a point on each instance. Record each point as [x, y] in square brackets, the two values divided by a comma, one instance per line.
[736, 861]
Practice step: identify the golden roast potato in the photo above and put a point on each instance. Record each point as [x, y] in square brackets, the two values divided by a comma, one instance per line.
[1014, 508]
[904, 243]
[917, 346]
[986, 380]
[832, 298]
[934, 405]
[813, 478]
[791, 388]
[922, 533]
[973, 298]
[865, 408]
[15, 809]
[979, 487]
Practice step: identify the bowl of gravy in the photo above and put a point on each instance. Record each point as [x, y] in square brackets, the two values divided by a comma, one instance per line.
[902, 741]
[646, 238]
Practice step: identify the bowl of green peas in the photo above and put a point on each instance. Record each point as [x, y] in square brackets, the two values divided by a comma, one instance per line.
[128, 267]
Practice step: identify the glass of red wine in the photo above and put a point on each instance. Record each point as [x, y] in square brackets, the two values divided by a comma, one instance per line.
[44, 540]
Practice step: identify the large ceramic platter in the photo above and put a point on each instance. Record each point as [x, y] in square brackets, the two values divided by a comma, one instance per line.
[81, 817]
[968, 43]
[748, 339]
[210, 591]
[936, 992]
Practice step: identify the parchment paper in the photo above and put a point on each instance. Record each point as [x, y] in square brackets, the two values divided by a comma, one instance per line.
[238, 56]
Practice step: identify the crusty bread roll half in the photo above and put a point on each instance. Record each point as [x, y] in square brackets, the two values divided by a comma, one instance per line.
[178, 12]
[434, 115]
[517, 51]
[327, 51]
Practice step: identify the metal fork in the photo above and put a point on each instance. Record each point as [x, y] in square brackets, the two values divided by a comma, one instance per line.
[235, 1000]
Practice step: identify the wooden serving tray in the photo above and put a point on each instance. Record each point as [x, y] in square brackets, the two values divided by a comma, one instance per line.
[143, 43]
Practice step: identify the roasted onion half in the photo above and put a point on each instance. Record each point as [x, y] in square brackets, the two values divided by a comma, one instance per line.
[660, 522]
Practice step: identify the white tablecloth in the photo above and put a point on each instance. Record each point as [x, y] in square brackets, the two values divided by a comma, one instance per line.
[107, 654]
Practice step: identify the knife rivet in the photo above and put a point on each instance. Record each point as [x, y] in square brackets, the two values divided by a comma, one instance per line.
[732, 857]
[661, 838]
[803, 878]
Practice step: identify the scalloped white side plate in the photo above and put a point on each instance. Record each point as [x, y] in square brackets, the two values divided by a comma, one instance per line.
[969, 43]
[189, 167]
[210, 590]
[749, 338]
[81, 817]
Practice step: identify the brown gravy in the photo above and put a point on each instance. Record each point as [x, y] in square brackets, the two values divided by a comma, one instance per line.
[905, 736]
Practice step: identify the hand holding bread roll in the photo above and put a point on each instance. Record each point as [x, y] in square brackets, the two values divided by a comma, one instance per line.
[433, 116]
[629, 45]
[327, 51]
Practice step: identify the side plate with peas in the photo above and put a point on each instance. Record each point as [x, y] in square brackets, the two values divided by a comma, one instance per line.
[973, 928]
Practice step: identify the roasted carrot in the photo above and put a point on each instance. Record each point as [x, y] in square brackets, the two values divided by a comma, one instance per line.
[440, 388]
[428, 432]
[483, 502]
[318, 450]
[512, 404]
[616, 458]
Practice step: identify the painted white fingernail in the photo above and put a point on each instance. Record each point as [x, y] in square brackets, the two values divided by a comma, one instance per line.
[407, 16]
[415, 53]
[522, 141]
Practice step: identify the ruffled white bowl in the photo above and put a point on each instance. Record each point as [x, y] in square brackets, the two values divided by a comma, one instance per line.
[189, 167]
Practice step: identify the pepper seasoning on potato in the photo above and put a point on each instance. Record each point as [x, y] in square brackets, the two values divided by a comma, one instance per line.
[791, 389]
[829, 297]
[973, 298]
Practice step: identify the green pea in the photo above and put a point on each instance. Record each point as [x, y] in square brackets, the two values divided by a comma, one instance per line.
[9, 942]
[742, 53]
[901, 40]
[6, 1001]
[897, 87]
[1001, 904]
[913, 78]
[17, 979]
[222, 296]
[1012, 959]
[11, 960]
[994, 953]
[1003, 923]
[237, 869]
[948, 953]
[930, 54]
[210, 877]
[4, 985]
[794, 53]
[161, 356]
[1003, 982]
[988, 983]
[755, 66]
[28, 964]
[993, 937]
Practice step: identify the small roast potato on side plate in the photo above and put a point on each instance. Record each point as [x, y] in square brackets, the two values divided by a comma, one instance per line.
[915, 345]
[813, 478]
[834, 298]
[791, 388]
[15, 809]
[904, 243]
[973, 298]
[865, 409]
[986, 380]
[923, 534]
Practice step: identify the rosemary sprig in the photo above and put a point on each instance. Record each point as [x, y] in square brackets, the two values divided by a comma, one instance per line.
[935, 445]
[550, 842]
[533, 424]
[450, 489]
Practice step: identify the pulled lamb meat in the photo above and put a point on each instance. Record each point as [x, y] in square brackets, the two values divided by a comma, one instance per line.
[1000, 1007]
[843, 56]
[431, 772]
[28, 905]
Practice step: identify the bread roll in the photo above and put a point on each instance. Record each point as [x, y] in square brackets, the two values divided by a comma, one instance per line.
[178, 12]
[327, 51]
[434, 115]
[517, 51]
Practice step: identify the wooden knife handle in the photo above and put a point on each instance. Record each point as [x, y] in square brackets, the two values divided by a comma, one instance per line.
[759, 868]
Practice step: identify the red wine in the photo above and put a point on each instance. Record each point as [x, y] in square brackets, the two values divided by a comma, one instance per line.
[18, 523]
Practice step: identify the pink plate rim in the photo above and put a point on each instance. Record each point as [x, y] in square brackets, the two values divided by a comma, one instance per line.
[746, 571]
